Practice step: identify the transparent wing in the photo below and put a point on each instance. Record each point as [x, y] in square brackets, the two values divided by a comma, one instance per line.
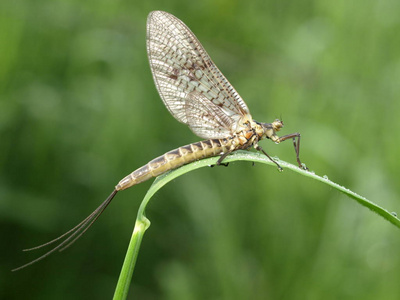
[206, 119]
[181, 67]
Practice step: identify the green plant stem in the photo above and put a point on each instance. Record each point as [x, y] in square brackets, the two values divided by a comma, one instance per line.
[125, 277]
[142, 223]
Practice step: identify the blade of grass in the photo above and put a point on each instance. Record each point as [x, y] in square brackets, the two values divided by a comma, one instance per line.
[142, 223]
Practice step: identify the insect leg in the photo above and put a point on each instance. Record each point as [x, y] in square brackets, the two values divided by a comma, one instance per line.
[296, 145]
[221, 158]
[258, 148]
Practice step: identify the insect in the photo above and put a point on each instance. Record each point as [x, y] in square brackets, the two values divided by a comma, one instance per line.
[196, 94]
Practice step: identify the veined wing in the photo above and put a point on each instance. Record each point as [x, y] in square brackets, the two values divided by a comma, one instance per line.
[206, 119]
[188, 81]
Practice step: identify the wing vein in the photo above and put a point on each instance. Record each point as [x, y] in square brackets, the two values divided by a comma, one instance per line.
[191, 86]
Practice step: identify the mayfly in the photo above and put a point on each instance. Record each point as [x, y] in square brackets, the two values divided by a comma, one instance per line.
[196, 94]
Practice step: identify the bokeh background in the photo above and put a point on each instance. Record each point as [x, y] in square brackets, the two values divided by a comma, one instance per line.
[79, 111]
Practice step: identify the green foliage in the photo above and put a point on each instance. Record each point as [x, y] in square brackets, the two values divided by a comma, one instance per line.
[79, 111]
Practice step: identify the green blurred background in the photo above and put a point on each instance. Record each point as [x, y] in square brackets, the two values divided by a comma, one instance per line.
[79, 111]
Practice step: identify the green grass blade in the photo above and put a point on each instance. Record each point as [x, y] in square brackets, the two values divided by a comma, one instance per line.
[142, 223]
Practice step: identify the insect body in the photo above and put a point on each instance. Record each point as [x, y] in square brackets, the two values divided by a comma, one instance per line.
[213, 147]
[197, 94]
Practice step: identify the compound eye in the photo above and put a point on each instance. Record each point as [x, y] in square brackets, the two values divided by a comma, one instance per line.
[278, 123]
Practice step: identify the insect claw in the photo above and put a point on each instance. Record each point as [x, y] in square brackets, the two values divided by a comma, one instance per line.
[304, 167]
[220, 164]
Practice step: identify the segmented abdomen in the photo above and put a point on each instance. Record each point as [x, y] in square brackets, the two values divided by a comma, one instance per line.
[174, 159]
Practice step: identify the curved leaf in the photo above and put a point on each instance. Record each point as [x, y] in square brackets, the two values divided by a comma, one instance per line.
[142, 223]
